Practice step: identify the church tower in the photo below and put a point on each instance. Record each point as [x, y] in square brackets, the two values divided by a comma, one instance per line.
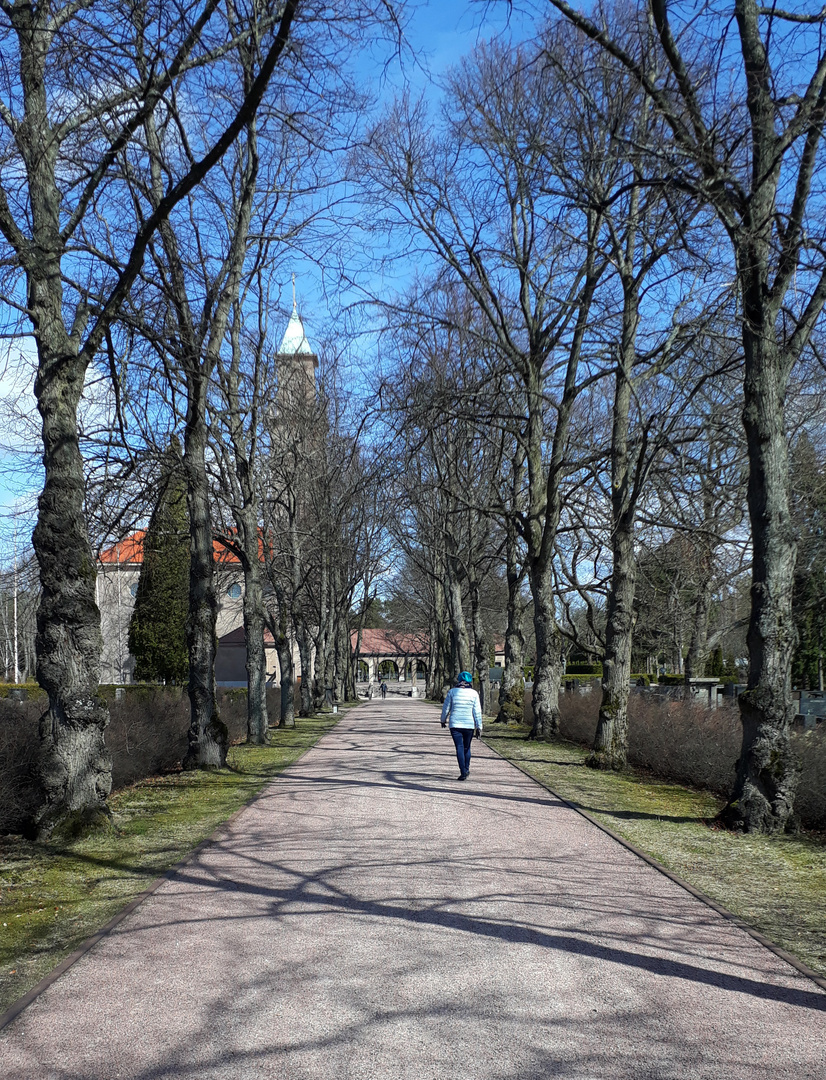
[296, 362]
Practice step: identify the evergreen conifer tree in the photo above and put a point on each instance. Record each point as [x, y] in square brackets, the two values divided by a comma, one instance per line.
[157, 631]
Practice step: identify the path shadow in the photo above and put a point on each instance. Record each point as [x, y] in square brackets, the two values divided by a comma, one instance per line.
[306, 891]
[640, 815]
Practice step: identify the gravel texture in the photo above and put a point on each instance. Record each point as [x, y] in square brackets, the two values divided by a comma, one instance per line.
[370, 917]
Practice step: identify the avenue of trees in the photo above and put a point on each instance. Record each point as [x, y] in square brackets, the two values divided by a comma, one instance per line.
[597, 429]
[626, 215]
[131, 139]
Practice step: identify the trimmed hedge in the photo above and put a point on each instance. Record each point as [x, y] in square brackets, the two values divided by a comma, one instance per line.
[33, 691]
[682, 741]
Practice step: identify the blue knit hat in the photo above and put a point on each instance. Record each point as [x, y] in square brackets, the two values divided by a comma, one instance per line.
[465, 677]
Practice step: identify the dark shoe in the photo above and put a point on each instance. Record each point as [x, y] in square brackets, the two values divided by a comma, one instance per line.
[462, 776]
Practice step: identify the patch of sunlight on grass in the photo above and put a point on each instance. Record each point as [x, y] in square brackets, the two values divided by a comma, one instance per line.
[775, 884]
[52, 898]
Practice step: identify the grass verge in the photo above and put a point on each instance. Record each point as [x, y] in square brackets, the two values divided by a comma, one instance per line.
[52, 898]
[777, 885]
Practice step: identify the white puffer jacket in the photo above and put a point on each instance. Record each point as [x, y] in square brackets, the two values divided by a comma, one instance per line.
[463, 708]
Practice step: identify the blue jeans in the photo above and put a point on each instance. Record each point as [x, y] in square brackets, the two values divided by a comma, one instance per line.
[463, 738]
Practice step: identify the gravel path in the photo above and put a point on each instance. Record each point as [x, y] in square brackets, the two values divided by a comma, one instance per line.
[370, 917]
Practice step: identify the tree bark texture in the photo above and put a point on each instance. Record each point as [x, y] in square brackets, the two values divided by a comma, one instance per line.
[305, 653]
[697, 654]
[459, 644]
[480, 649]
[283, 648]
[208, 736]
[767, 771]
[258, 721]
[344, 660]
[322, 648]
[610, 749]
[548, 670]
[285, 662]
[512, 692]
[245, 511]
[75, 766]
[436, 647]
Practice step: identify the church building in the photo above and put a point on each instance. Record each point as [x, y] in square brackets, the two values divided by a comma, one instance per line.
[119, 565]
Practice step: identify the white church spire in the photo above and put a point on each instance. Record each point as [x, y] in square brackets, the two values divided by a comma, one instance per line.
[295, 340]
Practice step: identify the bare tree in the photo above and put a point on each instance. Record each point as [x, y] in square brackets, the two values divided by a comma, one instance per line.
[754, 162]
[80, 81]
[482, 195]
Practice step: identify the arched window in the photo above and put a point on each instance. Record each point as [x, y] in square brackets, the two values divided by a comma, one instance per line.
[234, 591]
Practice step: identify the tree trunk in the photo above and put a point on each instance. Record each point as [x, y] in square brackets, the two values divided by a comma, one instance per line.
[284, 651]
[285, 663]
[610, 750]
[208, 736]
[75, 766]
[305, 652]
[548, 671]
[322, 642]
[698, 647]
[257, 718]
[697, 655]
[767, 772]
[436, 649]
[512, 692]
[459, 644]
[540, 534]
[245, 511]
[480, 649]
[344, 688]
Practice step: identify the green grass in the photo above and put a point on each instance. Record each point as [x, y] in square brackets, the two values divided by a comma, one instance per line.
[52, 898]
[775, 884]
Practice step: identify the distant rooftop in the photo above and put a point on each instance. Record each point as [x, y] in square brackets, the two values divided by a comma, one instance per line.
[130, 551]
[295, 340]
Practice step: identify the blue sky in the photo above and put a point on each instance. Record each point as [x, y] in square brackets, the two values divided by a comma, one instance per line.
[438, 35]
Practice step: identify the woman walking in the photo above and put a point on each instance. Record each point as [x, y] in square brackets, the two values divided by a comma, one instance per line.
[463, 710]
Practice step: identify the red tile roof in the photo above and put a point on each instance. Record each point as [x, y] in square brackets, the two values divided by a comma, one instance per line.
[130, 550]
[391, 643]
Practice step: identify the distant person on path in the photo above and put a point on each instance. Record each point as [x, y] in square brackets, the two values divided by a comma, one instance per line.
[463, 709]
[383, 689]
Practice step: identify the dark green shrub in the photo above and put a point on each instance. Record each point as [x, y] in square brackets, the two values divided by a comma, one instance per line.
[157, 630]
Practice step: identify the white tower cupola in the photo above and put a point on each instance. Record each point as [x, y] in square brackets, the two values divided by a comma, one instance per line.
[295, 358]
